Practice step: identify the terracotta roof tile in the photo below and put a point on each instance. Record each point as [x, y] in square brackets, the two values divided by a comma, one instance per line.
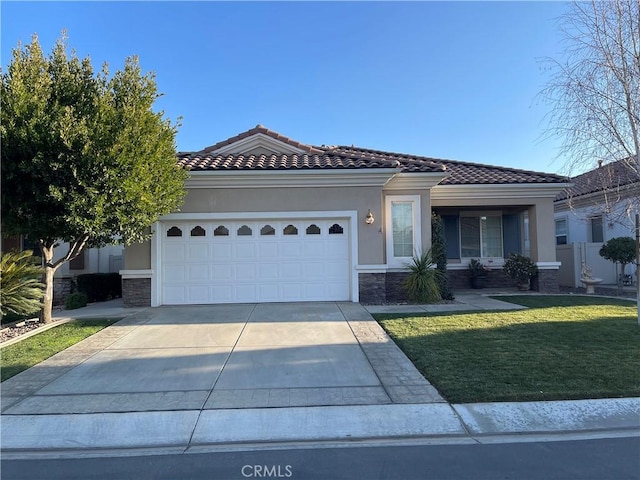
[460, 173]
[607, 177]
[343, 157]
[260, 129]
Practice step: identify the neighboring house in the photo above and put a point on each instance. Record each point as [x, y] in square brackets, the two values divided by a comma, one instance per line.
[269, 219]
[600, 205]
[92, 260]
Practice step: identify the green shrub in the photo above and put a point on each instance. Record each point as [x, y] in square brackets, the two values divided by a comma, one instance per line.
[21, 289]
[75, 300]
[422, 283]
[439, 252]
[620, 250]
[99, 287]
[520, 268]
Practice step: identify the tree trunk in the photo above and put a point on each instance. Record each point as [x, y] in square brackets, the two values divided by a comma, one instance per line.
[47, 302]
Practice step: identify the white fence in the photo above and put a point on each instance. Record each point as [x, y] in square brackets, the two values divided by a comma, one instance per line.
[573, 255]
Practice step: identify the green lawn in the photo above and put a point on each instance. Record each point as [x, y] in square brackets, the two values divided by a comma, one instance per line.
[33, 350]
[562, 347]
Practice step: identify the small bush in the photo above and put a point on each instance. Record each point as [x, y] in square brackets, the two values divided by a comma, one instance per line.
[75, 300]
[99, 287]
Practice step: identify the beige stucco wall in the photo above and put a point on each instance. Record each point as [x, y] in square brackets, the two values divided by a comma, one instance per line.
[137, 256]
[542, 234]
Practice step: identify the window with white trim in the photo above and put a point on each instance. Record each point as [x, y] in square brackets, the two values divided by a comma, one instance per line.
[481, 236]
[561, 231]
[403, 229]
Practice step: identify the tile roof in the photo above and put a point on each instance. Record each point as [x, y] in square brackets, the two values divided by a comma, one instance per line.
[606, 177]
[460, 173]
[265, 131]
[343, 157]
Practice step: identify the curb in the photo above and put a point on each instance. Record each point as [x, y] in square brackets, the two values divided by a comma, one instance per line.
[197, 429]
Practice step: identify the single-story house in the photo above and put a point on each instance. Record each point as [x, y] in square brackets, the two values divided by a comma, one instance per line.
[270, 219]
[599, 205]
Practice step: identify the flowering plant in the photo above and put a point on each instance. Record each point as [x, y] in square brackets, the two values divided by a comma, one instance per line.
[520, 268]
[477, 268]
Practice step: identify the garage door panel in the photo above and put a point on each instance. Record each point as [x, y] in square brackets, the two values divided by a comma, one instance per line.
[198, 294]
[221, 251]
[268, 271]
[246, 293]
[221, 294]
[174, 252]
[174, 294]
[221, 271]
[198, 252]
[245, 271]
[174, 273]
[268, 250]
[198, 272]
[244, 251]
[295, 263]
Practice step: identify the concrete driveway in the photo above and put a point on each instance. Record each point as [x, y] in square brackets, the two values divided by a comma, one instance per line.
[224, 357]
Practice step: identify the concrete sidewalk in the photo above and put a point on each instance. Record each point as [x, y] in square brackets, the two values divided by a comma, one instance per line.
[125, 388]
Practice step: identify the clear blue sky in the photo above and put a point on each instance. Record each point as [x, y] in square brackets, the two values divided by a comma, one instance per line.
[450, 80]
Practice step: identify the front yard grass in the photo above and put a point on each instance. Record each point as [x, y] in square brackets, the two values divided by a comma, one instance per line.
[561, 347]
[33, 350]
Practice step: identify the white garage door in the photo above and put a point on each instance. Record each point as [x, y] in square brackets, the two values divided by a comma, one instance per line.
[255, 261]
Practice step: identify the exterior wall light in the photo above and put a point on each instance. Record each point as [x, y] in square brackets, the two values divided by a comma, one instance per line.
[369, 218]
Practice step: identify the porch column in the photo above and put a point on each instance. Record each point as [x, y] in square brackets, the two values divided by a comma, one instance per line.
[542, 234]
[542, 237]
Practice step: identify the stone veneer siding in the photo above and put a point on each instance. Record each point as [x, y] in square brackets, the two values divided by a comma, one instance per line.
[136, 292]
[546, 282]
[62, 288]
[378, 288]
[461, 279]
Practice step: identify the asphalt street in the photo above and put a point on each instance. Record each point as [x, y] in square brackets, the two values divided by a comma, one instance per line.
[598, 459]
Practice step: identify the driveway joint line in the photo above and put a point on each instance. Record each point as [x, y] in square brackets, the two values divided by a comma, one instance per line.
[202, 409]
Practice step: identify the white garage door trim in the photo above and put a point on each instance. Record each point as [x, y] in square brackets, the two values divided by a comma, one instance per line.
[157, 240]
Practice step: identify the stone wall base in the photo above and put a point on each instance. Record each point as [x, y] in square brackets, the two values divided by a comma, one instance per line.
[136, 292]
[380, 288]
[546, 282]
[62, 288]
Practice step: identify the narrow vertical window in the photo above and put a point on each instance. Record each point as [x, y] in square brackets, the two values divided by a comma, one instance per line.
[402, 220]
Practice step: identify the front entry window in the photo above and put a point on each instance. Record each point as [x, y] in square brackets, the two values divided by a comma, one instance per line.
[403, 229]
[402, 218]
[481, 236]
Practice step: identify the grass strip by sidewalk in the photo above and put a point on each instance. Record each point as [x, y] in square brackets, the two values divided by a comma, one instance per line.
[33, 350]
[560, 348]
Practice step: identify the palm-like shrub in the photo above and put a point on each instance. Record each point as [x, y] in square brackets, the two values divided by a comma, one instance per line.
[422, 283]
[21, 290]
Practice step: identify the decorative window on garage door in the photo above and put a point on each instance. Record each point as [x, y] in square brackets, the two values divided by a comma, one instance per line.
[221, 231]
[198, 231]
[267, 230]
[244, 231]
[174, 232]
[290, 230]
[336, 229]
[313, 229]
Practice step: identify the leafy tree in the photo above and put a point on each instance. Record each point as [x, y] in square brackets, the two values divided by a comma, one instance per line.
[20, 287]
[620, 250]
[85, 159]
[594, 92]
